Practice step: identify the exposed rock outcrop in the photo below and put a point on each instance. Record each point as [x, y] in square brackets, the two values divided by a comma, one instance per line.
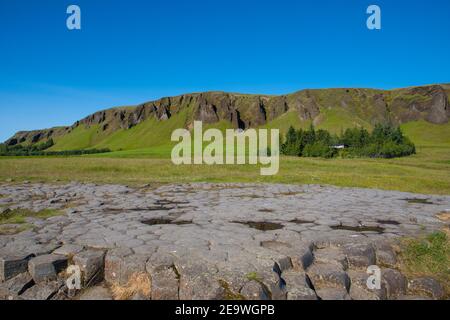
[429, 103]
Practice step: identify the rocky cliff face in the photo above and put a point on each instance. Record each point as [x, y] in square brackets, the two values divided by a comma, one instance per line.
[430, 103]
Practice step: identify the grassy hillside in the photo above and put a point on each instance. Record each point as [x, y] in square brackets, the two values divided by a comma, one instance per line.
[150, 124]
[154, 134]
[427, 134]
[78, 138]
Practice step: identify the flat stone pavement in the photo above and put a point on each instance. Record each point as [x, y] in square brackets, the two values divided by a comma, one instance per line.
[214, 241]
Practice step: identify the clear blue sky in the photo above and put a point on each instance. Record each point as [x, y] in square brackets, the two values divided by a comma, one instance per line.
[133, 51]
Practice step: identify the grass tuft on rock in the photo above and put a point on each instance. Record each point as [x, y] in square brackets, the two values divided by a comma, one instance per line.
[138, 284]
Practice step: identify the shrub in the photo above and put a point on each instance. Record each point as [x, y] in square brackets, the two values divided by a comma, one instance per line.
[319, 149]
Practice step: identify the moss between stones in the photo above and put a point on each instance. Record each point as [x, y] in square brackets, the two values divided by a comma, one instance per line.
[228, 293]
[253, 276]
[14, 221]
[8, 229]
[17, 216]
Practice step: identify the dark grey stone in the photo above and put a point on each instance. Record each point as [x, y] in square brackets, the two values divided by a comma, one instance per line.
[10, 266]
[165, 284]
[253, 290]
[359, 289]
[326, 276]
[359, 255]
[395, 283]
[298, 286]
[96, 293]
[46, 267]
[42, 291]
[92, 265]
[16, 286]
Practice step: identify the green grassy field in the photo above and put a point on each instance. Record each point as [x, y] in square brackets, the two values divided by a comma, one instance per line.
[426, 172]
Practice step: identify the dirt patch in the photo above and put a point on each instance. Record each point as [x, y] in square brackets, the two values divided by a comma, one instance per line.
[261, 225]
[300, 221]
[418, 201]
[358, 228]
[289, 193]
[444, 216]
[251, 196]
[391, 222]
[120, 210]
[165, 202]
[266, 210]
[161, 221]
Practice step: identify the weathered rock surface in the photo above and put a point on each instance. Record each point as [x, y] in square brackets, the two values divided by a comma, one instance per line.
[12, 265]
[92, 266]
[298, 286]
[216, 241]
[333, 294]
[96, 293]
[46, 267]
[13, 288]
[426, 286]
[69, 250]
[42, 291]
[328, 276]
[359, 255]
[395, 283]
[359, 289]
[254, 290]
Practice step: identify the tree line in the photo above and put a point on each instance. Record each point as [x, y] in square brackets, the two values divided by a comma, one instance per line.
[385, 141]
[39, 149]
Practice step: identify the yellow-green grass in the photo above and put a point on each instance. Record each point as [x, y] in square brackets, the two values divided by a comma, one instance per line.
[427, 134]
[150, 133]
[286, 120]
[8, 229]
[426, 172]
[14, 221]
[427, 256]
[78, 138]
[18, 216]
[335, 121]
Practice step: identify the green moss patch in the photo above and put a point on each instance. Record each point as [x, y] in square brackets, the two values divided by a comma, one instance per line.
[229, 294]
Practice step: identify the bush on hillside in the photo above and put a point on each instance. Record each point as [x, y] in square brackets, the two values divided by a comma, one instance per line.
[385, 141]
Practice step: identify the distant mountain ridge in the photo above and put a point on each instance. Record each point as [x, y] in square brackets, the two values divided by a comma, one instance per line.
[328, 107]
